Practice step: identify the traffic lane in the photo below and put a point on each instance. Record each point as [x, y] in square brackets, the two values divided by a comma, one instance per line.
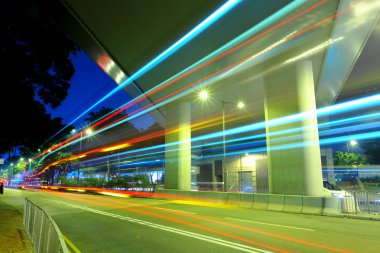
[198, 244]
[242, 233]
[357, 235]
[362, 241]
[259, 236]
[91, 232]
[102, 231]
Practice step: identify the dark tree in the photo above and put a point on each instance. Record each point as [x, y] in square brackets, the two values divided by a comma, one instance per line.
[371, 150]
[105, 117]
[35, 71]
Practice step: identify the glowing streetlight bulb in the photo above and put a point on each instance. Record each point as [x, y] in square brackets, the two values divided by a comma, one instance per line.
[89, 131]
[353, 142]
[203, 95]
[240, 105]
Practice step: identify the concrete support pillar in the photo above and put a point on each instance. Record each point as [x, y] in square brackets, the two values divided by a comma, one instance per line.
[178, 148]
[294, 159]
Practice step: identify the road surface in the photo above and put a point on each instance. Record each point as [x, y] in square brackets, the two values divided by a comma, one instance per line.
[98, 223]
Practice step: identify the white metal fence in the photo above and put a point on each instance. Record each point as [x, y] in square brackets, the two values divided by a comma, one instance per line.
[42, 230]
[368, 201]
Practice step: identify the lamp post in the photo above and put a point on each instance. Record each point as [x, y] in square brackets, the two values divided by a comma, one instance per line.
[239, 105]
[88, 131]
[10, 176]
[203, 95]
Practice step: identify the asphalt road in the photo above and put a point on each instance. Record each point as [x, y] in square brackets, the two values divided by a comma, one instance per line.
[97, 223]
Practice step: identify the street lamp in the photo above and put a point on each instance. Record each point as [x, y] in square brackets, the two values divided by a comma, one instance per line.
[10, 175]
[203, 95]
[88, 131]
[352, 143]
[239, 105]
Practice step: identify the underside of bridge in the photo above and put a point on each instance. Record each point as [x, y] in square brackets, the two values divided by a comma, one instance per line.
[284, 59]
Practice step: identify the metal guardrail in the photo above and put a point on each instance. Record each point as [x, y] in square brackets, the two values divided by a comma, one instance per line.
[367, 201]
[42, 230]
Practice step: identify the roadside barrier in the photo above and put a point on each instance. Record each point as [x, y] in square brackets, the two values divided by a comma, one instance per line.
[272, 202]
[365, 201]
[293, 204]
[42, 230]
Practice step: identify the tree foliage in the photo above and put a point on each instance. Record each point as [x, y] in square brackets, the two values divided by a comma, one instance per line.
[35, 69]
[105, 113]
[348, 159]
[58, 164]
[106, 117]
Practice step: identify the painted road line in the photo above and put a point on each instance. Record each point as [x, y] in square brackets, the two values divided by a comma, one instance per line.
[209, 239]
[71, 245]
[271, 224]
[172, 210]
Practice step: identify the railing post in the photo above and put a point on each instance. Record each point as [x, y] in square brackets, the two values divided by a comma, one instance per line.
[366, 200]
[40, 239]
[356, 203]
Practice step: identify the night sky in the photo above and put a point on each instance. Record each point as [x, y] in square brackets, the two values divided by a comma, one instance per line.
[88, 85]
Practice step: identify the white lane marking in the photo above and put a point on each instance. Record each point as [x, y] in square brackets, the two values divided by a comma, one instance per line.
[210, 239]
[271, 224]
[173, 210]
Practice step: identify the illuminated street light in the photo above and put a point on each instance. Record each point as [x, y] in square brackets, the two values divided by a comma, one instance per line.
[352, 144]
[240, 105]
[89, 131]
[203, 95]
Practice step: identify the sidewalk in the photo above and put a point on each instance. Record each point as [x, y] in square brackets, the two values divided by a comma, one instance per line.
[13, 238]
